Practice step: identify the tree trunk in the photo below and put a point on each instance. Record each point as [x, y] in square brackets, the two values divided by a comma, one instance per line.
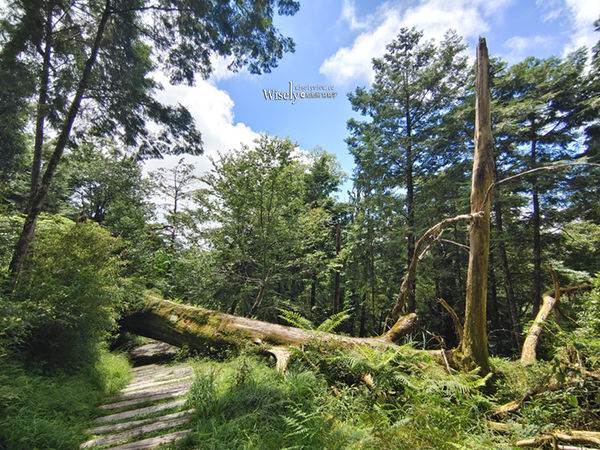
[475, 346]
[537, 248]
[42, 109]
[411, 274]
[363, 318]
[35, 207]
[199, 328]
[259, 298]
[550, 299]
[410, 209]
[337, 303]
[372, 271]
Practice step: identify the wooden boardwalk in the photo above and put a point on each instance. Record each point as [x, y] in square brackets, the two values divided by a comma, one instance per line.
[148, 412]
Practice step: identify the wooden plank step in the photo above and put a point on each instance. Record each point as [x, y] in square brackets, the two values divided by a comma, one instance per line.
[149, 391]
[153, 442]
[136, 432]
[146, 367]
[148, 398]
[159, 372]
[125, 425]
[144, 371]
[140, 411]
[141, 386]
[154, 369]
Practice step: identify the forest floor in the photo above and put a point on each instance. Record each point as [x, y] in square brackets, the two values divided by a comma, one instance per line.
[241, 401]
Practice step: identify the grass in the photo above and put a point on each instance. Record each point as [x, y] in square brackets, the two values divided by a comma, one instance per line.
[243, 403]
[44, 412]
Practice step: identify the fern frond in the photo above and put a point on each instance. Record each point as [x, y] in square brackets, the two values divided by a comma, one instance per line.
[402, 380]
[334, 321]
[351, 362]
[448, 387]
[296, 319]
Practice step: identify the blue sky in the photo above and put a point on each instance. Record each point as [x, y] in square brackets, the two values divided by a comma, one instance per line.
[335, 42]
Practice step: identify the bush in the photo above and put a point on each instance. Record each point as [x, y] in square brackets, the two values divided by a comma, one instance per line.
[67, 296]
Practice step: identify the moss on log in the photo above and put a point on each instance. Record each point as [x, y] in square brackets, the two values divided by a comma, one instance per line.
[200, 328]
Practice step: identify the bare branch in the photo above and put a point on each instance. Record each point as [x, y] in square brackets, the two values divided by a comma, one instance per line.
[457, 325]
[411, 273]
[538, 169]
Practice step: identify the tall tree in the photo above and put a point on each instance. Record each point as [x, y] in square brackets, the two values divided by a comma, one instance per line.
[253, 198]
[109, 190]
[540, 104]
[98, 54]
[176, 184]
[474, 344]
[415, 82]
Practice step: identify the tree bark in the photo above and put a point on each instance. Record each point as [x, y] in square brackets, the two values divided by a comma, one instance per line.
[536, 223]
[259, 298]
[38, 200]
[410, 209]
[362, 332]
[42, 109]
[475, 345]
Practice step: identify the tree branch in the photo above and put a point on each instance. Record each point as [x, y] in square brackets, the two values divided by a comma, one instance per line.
[411, 273]
[538, 169]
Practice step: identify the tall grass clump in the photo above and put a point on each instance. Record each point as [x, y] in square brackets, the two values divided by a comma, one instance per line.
[243, 403]
[53, 412]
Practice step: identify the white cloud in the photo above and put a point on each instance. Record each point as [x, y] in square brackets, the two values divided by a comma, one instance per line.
[212, 110]
[434, 17]
[520, 43]
[349, 15]
[220, 68]
[552, 9]
[582, 13]
[355, 62]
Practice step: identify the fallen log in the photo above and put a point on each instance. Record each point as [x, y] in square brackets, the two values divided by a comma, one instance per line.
[570, 436]
[199, 328]
[549, 300]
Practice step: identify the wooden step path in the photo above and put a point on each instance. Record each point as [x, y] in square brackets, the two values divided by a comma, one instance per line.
[152, 402]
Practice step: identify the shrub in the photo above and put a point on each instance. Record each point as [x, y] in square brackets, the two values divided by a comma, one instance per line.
[67, 296]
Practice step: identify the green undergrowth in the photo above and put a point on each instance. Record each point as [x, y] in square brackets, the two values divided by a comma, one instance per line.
[324, 403]
[53, 412]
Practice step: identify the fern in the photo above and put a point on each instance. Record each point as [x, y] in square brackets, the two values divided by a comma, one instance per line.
[334, 321]
[296, 319]
[451, 386]
[299, 321]
[402, 380]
